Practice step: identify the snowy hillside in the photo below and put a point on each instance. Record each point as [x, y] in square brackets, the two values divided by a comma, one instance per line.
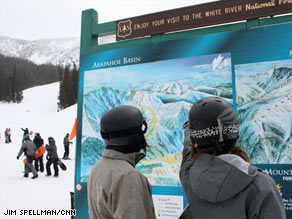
[54, 51]
[37, 112]
[63, 51]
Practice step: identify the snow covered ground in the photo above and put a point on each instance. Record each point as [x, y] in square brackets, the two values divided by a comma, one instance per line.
[38, 113]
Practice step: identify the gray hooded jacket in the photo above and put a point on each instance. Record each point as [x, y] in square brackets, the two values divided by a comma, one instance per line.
[29, 147]
[116, 190]
[227, 187]
[52, 150]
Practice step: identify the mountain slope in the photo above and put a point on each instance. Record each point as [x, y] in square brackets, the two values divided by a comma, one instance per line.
[54, 51]
[62, 51]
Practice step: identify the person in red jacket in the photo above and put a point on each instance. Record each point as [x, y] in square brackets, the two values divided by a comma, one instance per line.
[6, 136]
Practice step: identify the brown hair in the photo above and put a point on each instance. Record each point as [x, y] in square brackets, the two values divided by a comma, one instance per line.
[217, 149]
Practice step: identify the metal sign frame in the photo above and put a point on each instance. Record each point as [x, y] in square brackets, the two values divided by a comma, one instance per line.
[91, 30]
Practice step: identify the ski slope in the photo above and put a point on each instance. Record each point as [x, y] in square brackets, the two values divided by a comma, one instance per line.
[38, 113]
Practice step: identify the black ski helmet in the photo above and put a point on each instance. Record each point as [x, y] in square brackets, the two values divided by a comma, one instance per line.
[123, 126]
[212, 118]
[51, 139]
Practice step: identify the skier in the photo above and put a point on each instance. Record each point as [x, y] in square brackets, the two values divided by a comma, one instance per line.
[29, 148]
[52, 157]
[115, 188]
[216, 175]
[9, 135]
[66, 143]
[6, 135]
[38, 163]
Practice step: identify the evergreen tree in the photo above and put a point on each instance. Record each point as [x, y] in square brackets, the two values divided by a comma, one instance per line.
[18, 74]
[2, 82]
[18, 94]
[62, 100]
[10, 88]
[68, 87]
[75, 77]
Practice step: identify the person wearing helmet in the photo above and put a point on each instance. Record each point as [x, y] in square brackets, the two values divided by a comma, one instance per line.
[66, 143]
[25, 132]
[216, 175]
[52, 157]
[38, 163]
[115, 188]
[29, 148]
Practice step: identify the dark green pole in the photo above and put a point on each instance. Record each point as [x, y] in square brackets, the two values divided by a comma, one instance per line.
[89, 19]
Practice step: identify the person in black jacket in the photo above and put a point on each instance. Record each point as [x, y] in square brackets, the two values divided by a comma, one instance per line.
[52, 157]
[38, 163]
[216, 174]
[25, 132]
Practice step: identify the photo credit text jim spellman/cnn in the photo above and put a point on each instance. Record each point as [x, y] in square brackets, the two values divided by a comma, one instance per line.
[38, 212]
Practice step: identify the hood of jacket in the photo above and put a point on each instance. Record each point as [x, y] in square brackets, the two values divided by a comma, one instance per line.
[132, 158]
[221, 178]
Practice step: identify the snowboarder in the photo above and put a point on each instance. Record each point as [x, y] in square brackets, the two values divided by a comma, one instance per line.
[66, 143]
[29, 148]
[114, 175]
[52, 157]
[38, 163]
[216, 175]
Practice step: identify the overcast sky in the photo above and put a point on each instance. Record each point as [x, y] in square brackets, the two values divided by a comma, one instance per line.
[45, 19]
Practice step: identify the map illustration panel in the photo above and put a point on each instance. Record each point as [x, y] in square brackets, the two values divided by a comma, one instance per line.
[264, 105]
[164, 91]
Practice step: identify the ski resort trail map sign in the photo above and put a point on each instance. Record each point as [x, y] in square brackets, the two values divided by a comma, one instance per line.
[249, 68]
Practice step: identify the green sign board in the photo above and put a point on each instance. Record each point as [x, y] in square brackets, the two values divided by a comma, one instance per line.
[164, 75]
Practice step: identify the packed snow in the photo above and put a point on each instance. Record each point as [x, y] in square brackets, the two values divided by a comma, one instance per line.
[37, 112]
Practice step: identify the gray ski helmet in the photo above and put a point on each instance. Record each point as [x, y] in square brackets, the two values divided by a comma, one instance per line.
[121, 122]
[212, 118]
